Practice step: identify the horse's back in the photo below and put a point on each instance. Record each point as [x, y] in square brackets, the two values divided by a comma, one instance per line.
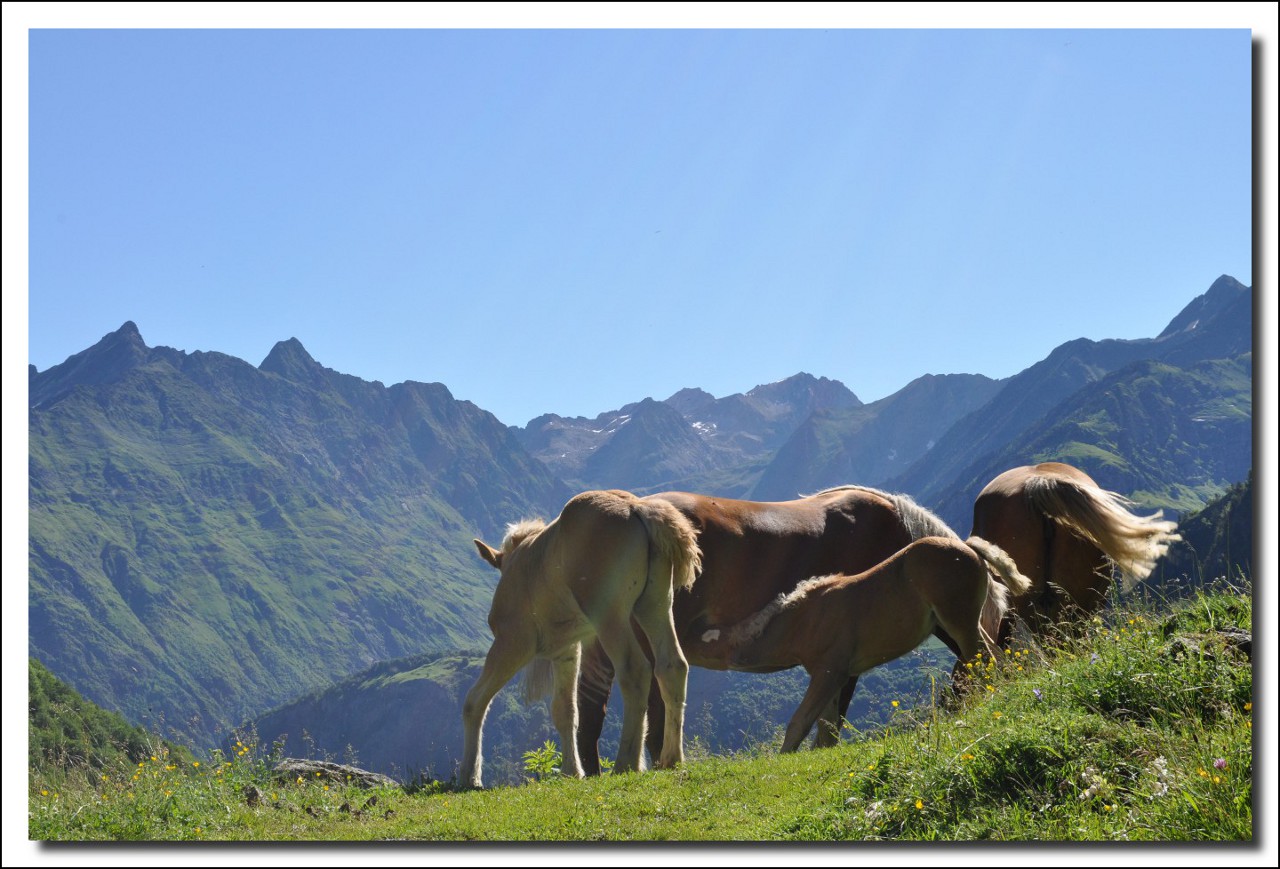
[753, 551]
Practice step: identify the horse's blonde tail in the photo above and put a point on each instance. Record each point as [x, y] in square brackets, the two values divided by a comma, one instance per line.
[538, 679]
[1133, 543]
[672, 538]
[1003, 581]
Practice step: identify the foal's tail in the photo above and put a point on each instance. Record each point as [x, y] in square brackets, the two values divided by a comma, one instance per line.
[1133, 543]
[1004, 580]
[672, 540]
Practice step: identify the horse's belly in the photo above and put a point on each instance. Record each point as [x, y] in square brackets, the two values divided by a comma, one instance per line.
[890, 639]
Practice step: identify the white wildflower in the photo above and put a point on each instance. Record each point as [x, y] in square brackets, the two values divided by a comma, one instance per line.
[1161, 768]
[1093, 783]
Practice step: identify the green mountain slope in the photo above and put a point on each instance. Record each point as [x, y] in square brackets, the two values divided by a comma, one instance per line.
[1168, 437]
[208, 539]
[1215, 325]
[1217, 542]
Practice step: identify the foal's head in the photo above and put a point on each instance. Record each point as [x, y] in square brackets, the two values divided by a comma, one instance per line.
[517, 533]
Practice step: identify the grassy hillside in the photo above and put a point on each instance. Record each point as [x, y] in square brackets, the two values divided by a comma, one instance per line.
[67, 733]
[1141, 729]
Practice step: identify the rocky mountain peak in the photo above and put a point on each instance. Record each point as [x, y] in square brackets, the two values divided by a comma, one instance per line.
[111, 358]
[291, 361]
[1224, 292]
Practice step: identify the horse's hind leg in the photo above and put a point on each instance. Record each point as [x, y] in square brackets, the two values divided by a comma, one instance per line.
[671, 670]
[564, 710]
[824, 686]
[633, 673]
[595, 680]
[657, 716]
[831, 719]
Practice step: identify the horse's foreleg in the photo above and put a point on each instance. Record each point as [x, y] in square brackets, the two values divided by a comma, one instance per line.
[824, 686]
[833, 717]
[564, 710]
[595, 680]
[504, 660]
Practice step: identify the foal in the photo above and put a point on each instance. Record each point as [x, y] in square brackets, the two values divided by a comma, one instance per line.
[841, 626]
[608, 559]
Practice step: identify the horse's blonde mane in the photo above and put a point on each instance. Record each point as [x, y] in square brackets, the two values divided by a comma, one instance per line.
[918, 521]
[519, 532]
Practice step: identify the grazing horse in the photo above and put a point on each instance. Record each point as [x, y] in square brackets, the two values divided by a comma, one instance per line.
[608, 559]
[841, 626]
[1065, 533]
[751, 552]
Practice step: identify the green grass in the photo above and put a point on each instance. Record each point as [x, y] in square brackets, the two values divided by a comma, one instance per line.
[1139, 729]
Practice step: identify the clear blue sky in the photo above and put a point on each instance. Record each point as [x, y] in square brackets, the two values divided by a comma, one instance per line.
[568, 220]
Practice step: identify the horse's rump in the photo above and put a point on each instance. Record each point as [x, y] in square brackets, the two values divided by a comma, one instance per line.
[1133, 543]
[672, 538]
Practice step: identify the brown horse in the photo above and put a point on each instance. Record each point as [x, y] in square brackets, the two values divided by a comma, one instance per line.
[608, 559]
[1066, 533]
[841, 626]
[751, 552]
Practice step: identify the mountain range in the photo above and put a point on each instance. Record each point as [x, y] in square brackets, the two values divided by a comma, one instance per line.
[210, 540]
